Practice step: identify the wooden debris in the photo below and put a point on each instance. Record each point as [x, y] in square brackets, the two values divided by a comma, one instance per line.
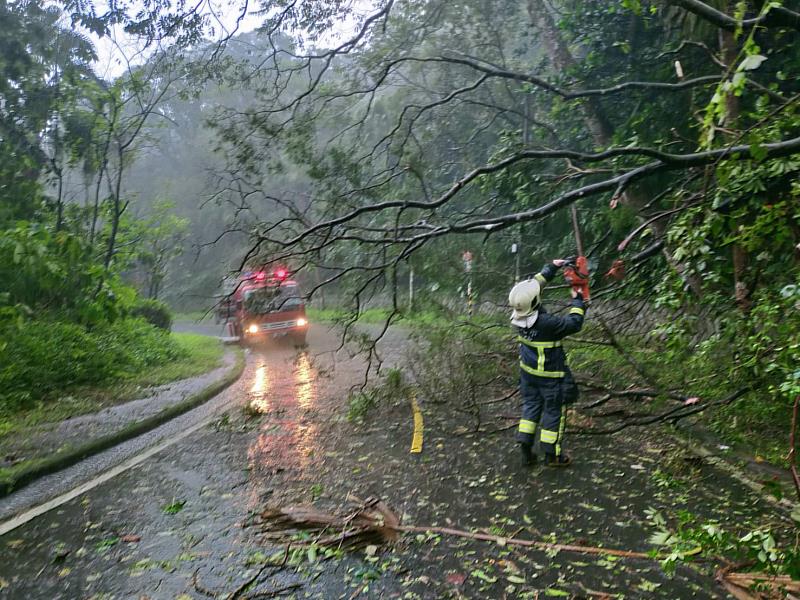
[375, 523]
[371, 523]
[740, 585]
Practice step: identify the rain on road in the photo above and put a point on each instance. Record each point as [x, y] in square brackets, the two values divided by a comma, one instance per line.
[145, 532]
[175, 527]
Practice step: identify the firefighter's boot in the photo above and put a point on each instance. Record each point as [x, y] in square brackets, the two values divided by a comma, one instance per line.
[561, 460]
[528, 457]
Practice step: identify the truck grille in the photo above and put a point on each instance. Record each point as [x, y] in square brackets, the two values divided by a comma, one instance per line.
[277, 325]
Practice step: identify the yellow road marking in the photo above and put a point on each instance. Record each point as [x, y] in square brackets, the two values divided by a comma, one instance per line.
[416, 441]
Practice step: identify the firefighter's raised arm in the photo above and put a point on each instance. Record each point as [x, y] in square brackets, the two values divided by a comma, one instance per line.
[558, 327]
[548, 272]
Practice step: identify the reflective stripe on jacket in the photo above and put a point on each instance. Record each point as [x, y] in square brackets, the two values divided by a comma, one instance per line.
[540, 350]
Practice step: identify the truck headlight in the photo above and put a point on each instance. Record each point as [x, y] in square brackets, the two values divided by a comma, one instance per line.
[301, 322]
[253, 328]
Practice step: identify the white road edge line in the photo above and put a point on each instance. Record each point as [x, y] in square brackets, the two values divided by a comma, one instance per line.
[32, 513]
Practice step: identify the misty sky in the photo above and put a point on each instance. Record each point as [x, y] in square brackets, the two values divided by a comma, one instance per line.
[117, 51]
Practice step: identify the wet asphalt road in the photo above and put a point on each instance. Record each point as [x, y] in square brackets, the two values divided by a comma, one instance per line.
[143, 533]
[172, 527]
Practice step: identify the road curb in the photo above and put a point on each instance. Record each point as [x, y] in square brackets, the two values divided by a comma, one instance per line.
[37, 468]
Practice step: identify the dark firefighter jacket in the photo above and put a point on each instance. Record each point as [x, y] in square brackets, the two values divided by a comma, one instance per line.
[541, 353]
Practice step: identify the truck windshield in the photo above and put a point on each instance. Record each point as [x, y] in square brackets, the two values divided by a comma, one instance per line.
[272, 299]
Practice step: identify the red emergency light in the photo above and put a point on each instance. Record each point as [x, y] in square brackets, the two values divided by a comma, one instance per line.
[281, 274]
[261, 276]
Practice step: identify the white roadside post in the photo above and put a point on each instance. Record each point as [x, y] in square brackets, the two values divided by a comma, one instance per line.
[515, 252]
[466, 256]
[410, 288]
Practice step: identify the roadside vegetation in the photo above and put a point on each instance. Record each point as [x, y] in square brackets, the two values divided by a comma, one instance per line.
[95, 370]
[81, 326]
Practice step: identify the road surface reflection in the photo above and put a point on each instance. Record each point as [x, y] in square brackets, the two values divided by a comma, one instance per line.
[284, 390]
[260, 390]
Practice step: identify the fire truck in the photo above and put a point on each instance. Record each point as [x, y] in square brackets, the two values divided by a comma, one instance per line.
[259, 305]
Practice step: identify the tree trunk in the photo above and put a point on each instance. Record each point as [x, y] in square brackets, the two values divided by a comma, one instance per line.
[96, 207]
[100, 174]
[562, 59]
[60, 201]
[739, 255]
[116, 214]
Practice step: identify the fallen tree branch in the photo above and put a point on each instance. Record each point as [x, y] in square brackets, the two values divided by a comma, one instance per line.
[671, 416]
[237, 593]
[242, 588]
[593, 342]
[374, 521]
[508, 396]
[502, 541]
[634, 393]
[740, 585]
[273, 593]
[490, 431]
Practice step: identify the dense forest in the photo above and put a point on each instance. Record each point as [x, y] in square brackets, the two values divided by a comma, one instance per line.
[374, 154]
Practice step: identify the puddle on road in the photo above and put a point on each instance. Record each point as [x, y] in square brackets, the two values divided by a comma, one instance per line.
[284, 391]
[259, 393]
[304, 380]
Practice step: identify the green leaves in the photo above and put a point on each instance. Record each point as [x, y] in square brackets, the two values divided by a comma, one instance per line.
[751, 62]
[480, 574]
[758, 152]
[173, 507]
[710, 539]
[633, 5]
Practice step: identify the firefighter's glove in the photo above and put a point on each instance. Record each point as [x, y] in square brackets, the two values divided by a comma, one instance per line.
[561, 262]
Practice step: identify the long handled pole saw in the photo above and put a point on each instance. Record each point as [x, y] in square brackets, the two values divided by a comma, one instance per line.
[576, 271]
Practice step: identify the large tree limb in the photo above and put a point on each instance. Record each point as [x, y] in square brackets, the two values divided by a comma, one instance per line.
[575, 94]
[665, 162]
[777, 16]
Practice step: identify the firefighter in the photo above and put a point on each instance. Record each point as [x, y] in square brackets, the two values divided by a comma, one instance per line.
[545, 379]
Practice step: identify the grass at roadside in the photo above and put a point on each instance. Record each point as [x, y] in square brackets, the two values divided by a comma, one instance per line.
[199, 355]
[203, 353]
[372, 315]
[195, 316]
[43, 460]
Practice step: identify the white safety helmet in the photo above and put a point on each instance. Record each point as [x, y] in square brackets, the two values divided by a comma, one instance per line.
[524, 300]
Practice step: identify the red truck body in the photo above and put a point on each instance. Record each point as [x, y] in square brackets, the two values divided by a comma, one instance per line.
[258, 306]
